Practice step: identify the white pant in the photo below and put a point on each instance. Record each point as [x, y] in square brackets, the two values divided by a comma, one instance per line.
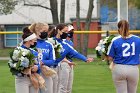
[126, 78]
[23, 85]
[66, 78]
[55, 80]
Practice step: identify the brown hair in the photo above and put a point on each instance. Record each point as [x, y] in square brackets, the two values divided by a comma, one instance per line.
[123, 28]
[52, 31]
[25, 35]
[60, 27]
[26, 30]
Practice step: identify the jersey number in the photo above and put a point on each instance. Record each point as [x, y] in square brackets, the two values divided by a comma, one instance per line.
[127, 47]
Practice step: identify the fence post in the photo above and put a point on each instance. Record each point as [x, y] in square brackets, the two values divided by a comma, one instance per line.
[107, 34]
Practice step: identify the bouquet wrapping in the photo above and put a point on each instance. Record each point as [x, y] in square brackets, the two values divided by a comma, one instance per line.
[47, 71]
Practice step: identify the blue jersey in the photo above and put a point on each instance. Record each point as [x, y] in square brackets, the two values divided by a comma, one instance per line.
[68, 50]
[125, 51]
[69, 42]
[47, 50]
[35, 53]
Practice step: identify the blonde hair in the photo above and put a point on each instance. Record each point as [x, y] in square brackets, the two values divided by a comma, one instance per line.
[123, 28]
[36, 27]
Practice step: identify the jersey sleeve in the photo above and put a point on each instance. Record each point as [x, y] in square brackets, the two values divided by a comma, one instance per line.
[39, 69]
[111, 50]
[74, 54]
[51, 60]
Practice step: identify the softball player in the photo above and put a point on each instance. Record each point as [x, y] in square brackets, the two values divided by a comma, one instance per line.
[47, 51]
[124, 51]
[23, 83]
[66, 76]
[61, 31]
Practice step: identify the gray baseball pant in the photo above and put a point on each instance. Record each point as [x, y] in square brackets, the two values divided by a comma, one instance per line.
[66, 78]
[125, 78]
[23, 85]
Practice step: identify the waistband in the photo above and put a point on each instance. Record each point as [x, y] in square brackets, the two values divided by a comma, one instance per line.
[21, 75]
[126, 64]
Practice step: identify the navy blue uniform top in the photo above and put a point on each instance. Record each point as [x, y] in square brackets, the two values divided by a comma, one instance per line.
[35, 53]
[48, 54]
[125, 51]
[68, 50]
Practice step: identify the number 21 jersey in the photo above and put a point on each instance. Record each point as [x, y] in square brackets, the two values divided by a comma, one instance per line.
[125, 50]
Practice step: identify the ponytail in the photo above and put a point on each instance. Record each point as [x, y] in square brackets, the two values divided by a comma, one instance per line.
[123, 28]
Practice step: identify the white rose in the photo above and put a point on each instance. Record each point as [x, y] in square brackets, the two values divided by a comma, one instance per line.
[15, 58]
[59, 50]
[105, 41]
[101, 41]
[103, 49]
[22, 58]
[98, 48]
[107, 37]
[14, 65]
[26, 51]
[11, 64]
[51, 40]
[55, 46]
[23, 54]
[16, 53]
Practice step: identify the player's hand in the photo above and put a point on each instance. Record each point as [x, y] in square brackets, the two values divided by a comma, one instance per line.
[41, 63]
[34, 68]
[89, 60]
[72, 64]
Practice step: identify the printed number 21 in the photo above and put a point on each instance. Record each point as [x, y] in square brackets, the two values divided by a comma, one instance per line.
[127, 47]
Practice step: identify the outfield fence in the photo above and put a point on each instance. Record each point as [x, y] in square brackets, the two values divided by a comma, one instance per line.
[79, 32]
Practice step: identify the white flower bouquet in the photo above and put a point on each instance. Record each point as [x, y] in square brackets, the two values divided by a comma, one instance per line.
[102, 48]
[57, 47]
[21, 60]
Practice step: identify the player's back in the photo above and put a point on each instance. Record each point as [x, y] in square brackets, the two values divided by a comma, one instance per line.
[127, 50]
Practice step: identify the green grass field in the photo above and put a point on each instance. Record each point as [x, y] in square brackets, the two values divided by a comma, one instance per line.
[88, 78]
[5, 52]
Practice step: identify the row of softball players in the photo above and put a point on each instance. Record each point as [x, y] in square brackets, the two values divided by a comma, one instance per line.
[59, 83]
[51, 57]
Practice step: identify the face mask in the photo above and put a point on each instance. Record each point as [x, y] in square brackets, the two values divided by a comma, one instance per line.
[63, 36]
[43, 35]
[70, 34]
[32, 46]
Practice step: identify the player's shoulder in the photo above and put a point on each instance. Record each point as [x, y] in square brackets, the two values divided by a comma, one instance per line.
[134, 36]
[116, 38]
[48, 43]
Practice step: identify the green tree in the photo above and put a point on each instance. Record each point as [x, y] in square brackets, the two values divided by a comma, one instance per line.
[135, 3]
[6, 6]
[113, 3]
